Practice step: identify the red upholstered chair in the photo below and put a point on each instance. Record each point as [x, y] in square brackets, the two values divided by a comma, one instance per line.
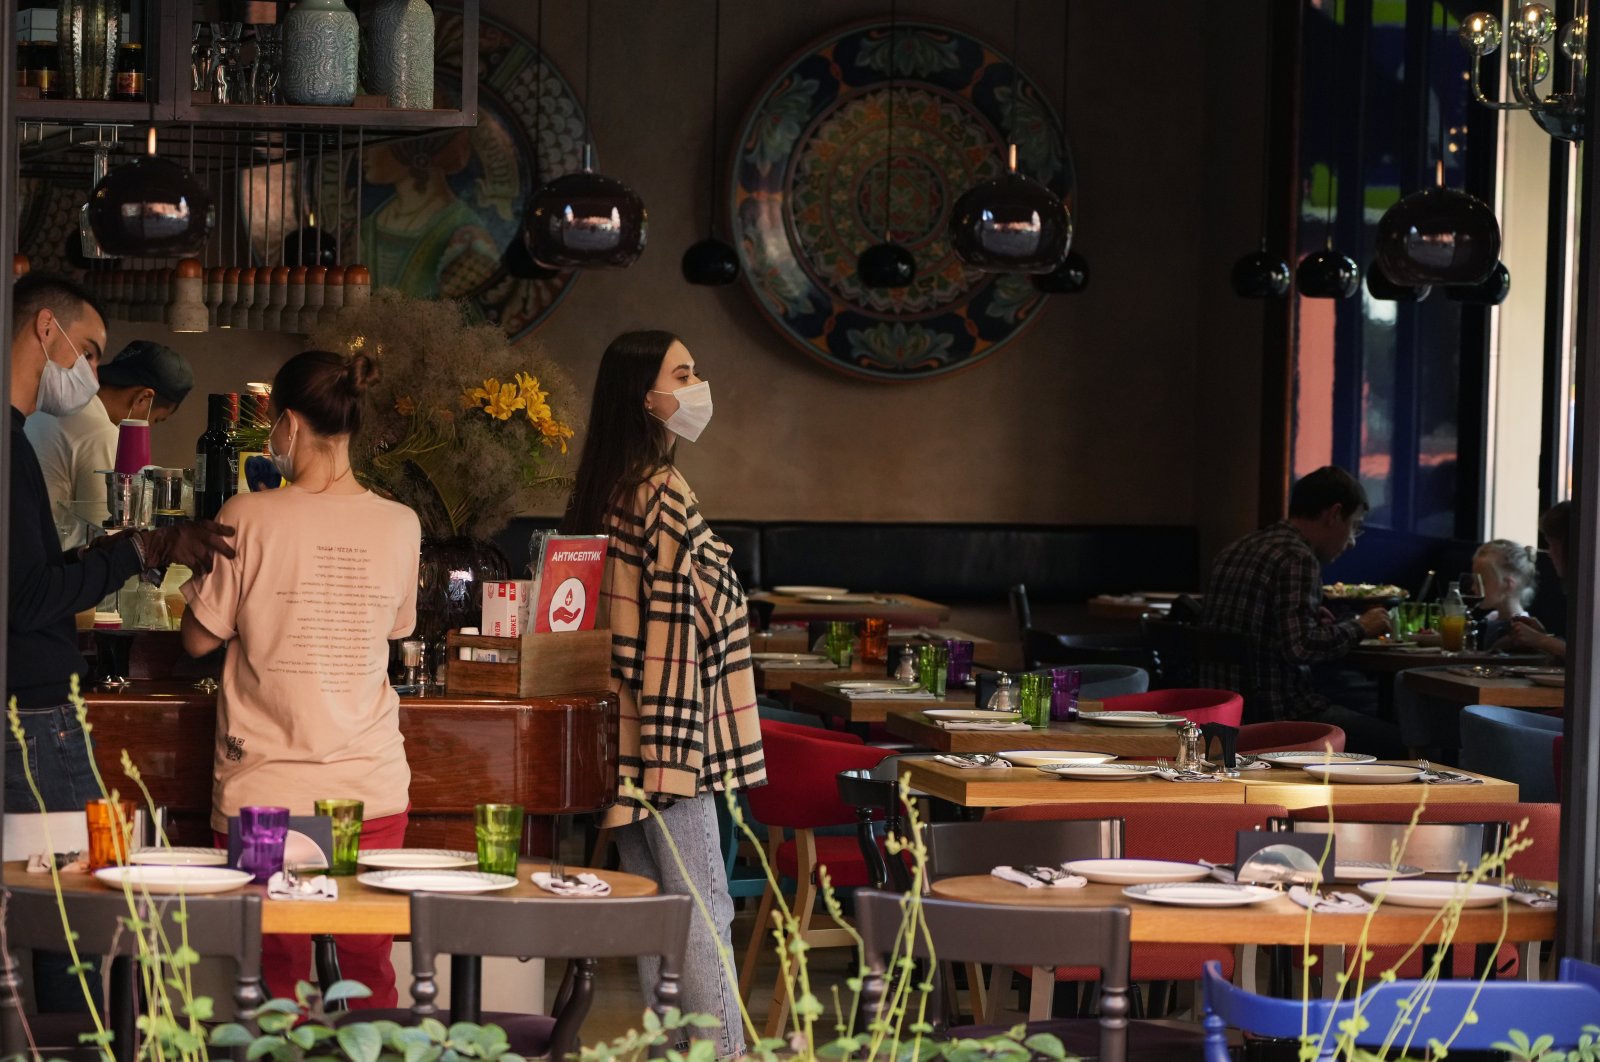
[1539, 861]
[1289, 736]
[1202, 706]
[1164, 831]
[801, 795]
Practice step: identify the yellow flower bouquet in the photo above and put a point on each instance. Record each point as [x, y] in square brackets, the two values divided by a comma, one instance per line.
[460, 426]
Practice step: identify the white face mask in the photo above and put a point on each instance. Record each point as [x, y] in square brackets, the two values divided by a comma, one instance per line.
[693, 412]
[63, 392]
[283, 462]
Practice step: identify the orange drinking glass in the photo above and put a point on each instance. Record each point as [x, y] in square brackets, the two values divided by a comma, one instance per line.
[110, 831]
[875, 639]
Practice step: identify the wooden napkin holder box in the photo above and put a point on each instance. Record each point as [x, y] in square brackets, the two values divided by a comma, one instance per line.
[546, 664]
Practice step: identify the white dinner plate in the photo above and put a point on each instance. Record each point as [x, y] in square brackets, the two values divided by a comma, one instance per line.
[1362, 773]
[416, 858]
[1098, 772]
[1043, 757]
[1136, 871]
[191, 881]
[1295, 759]
[1548, 680]
[789, 658]
[972, 715]
[436, 880]
[847, 599]
[1349, 872]
[1435, 893]
[875, 685]
[180, 857]
[1130, 718]
[1202, 894]
[807, 591]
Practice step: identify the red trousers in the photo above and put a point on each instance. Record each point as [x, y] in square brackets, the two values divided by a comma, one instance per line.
[286, 958]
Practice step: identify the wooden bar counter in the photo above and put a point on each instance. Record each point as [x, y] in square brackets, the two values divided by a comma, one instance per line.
[553, 755]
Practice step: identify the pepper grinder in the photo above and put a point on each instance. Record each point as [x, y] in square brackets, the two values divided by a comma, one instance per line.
[906, 669]
[413, 678]
[1190, 757]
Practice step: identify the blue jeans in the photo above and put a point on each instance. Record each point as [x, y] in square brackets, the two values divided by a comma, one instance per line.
[58, 756]
[705, 986]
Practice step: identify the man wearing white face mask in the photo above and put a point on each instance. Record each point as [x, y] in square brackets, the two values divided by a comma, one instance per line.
[55, 326]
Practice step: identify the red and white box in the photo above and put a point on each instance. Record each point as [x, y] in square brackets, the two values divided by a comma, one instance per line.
[568, 594]
[505, 607]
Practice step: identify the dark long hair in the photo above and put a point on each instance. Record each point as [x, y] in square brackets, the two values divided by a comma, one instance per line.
[623, 445]
[325, 388]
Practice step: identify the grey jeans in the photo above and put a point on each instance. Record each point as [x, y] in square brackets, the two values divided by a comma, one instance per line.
[706, 986]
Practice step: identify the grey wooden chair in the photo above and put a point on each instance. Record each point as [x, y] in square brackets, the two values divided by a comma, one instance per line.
[580, 930]
[958, 848]
[1012, 936]
[216, 927]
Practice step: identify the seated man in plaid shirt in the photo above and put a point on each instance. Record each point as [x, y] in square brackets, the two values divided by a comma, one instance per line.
[1267, 586]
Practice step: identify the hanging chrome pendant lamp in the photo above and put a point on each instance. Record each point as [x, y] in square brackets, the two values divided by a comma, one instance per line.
[1328, 274]
[151, 206]
[888, 264]
[711, 261]
[1262, 274]
[586, 220]
[1072, 275]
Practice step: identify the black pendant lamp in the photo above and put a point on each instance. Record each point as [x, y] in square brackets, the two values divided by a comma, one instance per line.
[711, 261]
[151, 207]
[1328, 274]
[309, 245]
[517, 260]
[1379, 286]
[1262, 274]
[1068, 278]
[1490, 291]
[1011, 223]
[1072, 275]
[1439, 236]
[888, 264]
[586, 220]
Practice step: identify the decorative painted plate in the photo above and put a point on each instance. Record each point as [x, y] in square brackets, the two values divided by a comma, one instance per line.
[814, 183]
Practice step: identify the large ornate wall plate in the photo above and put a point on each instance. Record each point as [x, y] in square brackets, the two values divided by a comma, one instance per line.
[808, 195]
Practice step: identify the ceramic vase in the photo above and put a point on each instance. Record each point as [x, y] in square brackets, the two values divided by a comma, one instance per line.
[397, 52]
[320, 51]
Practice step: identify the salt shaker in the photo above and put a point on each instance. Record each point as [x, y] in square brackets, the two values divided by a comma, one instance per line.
[1190, 757]
[1004, 697]
[906, 669]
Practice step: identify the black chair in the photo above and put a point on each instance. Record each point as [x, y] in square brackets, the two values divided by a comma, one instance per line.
[875, 794]
[215, 926]
[1011, 936]
[1041, 648]
[958, 848]
[1195, 656]
[1021, 612]
[468, 927]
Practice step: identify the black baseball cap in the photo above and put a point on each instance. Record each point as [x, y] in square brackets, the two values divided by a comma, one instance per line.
[143, 363]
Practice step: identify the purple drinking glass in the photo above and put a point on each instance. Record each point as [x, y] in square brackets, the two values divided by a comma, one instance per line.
[262, 831]
[960, 669]
[1064, 685]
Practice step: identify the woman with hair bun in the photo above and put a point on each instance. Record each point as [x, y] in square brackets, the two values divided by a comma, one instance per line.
[325, 574]
[1510, 579]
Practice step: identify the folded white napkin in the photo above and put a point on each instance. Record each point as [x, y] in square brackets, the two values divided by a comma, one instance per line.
[1330, 903]
[586, 885]
[1222, 872]
[66, 862]
[968, 763]
[1533, 899]
[1028, 881]
[320, 887]
[797, 665]
[886, 695]
[1179, 776]
[1449, 778]
[946, 724]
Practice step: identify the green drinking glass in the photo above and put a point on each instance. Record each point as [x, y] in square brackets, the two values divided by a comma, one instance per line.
[499, 828]
[346, 816]
[933, 668]
[1033, 699]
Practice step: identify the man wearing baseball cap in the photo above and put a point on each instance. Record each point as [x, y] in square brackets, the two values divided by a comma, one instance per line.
[146, 381]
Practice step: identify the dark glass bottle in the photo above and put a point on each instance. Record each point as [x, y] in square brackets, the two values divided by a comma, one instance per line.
[215, 467]
[128, 84]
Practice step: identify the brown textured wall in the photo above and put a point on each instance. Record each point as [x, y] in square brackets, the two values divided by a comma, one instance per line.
[1135, 402]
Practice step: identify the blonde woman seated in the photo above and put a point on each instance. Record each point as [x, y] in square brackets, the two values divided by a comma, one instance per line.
[1510, 579]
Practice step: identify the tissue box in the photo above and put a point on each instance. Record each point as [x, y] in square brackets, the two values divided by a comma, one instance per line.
[505, 608]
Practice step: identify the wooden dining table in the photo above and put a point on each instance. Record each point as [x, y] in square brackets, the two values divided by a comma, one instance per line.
[1508, 691]
[359, 908]
[818, 698]
[1389, 658]
[1018, 786]
[901, 610]
[1277, 921]
[1132, 742]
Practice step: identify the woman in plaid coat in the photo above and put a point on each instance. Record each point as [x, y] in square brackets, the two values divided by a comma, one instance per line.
[680, 647]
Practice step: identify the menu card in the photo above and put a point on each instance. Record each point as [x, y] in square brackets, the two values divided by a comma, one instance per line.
[567, 583]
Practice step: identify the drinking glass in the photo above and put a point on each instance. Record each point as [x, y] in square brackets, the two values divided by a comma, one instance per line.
[840, 644]
[1471, 588]
[960, 653]
[499, 829]
[110, 831]
[933, 668]
[346, 816]
[875, 640]
[1034, 698]
[1065, 683]
[262, 831]
[1413, 616]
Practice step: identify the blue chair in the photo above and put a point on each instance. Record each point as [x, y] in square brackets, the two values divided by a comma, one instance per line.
[1096, 682]
[1559, 1009]
[1512, 744]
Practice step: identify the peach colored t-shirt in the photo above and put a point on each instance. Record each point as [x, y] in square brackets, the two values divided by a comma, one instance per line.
[319, 585]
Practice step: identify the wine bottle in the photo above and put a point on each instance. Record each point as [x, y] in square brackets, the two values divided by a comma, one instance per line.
[215, 465]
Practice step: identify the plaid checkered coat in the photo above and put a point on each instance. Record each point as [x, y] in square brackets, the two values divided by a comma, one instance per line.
[680, 650]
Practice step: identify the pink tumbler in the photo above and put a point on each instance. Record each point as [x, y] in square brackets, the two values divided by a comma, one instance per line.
[133, 446]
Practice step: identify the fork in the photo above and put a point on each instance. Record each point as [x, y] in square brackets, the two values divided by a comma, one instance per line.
[1522, 884]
